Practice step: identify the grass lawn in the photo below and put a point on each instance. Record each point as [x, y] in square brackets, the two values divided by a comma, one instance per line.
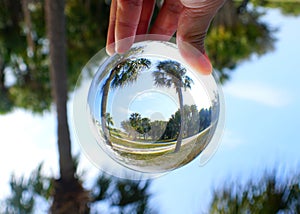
[160, 156]
[121, 139]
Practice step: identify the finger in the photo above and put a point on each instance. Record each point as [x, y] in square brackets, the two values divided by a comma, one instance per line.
[194, 57]
[110, 46]
[192, 28]
[127, 20]
[167, 19]
[145, 18]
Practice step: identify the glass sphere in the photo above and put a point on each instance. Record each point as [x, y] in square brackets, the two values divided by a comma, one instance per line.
[146, 110]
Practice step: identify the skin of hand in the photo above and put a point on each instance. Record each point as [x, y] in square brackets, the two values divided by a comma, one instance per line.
[190, 18]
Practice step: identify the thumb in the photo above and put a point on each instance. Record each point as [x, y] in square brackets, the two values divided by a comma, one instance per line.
[193, 24]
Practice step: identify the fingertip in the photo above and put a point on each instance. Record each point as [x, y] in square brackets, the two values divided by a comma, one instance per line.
[194, 57]
[124, 45]
[110, 49]
[208, 64]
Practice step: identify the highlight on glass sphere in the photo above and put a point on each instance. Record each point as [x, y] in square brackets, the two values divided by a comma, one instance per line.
[146, 111]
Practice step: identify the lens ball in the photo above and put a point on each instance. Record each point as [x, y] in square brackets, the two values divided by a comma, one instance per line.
[147, 109]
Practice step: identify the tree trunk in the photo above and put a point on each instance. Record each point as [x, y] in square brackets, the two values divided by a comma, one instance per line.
[28, 25]
[227, 16]
[103, 106]
[69, 196]
[2, 75]
[58, 70]
[179, 138]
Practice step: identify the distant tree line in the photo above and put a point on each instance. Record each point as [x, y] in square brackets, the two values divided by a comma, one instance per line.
[195, 121]
[136, 125]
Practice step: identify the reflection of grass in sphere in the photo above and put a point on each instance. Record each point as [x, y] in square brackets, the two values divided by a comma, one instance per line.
[160, 154]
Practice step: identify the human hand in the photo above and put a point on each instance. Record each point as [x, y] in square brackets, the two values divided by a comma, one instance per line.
[191, 19]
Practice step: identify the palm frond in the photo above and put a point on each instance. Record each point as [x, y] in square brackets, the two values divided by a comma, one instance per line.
[128, 71]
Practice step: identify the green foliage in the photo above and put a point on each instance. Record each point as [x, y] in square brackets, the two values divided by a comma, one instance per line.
[6, 104]
[234, 38]
[87, 22]
[157, 129]
[24, 192]
[195, 122]
[171, 73]
[124, 73]
[139, 124]
[25, 57]
[269, 194]
[122, 196]
[288, 8]
[145, 126]
[25, 50]
[109, 120]
[128, 71]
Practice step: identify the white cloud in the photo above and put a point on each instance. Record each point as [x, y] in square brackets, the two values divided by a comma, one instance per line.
[146, 95]
[260, 93]
[123, 110]
[231, 140]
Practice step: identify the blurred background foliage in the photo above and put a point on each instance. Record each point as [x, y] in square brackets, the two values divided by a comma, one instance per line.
[107, 195]
[236, 34]
[272, 193]
[288, 7]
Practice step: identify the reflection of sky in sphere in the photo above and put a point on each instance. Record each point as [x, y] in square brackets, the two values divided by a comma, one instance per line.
[149, 102]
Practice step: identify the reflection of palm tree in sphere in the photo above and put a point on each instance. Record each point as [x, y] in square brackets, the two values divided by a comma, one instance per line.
[170, 73]
[124, 73]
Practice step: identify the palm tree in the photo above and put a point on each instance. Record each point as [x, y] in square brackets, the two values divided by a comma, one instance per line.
[139, 124]
[170, 73]
[135, 120]
[124, 73]
[69, 195]
[145, 127]
[109, 120]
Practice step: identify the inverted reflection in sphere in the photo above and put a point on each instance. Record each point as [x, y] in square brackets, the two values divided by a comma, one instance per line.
[147, 110]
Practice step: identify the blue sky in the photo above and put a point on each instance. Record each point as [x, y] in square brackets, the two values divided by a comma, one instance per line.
[262, 130]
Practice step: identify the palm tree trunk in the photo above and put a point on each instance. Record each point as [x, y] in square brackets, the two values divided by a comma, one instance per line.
[58, 72]
[2, 75]
[103, 106]
[69, 196]
[179, 138]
